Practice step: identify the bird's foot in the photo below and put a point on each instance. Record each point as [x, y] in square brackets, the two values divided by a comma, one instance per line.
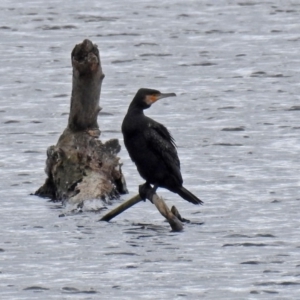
[146, 191]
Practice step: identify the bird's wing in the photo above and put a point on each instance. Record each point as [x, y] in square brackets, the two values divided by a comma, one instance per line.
[160, 141]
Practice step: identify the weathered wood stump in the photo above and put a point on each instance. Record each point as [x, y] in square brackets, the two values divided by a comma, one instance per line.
[80, 167]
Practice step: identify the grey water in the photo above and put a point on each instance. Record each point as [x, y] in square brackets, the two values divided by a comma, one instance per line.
[234, 66]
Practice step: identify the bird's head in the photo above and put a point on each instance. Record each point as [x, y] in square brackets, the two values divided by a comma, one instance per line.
[144, 98]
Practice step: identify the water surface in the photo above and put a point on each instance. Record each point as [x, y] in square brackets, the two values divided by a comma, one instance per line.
[235, 68]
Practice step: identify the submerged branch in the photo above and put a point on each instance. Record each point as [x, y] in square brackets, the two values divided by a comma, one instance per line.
[161, 206]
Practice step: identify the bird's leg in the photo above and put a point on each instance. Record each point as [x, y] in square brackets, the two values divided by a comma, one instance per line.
[144, 189]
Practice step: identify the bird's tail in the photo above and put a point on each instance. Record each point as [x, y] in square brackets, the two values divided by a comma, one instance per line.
[187, 195]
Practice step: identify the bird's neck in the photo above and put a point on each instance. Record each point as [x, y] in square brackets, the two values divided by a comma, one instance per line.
[134, 109]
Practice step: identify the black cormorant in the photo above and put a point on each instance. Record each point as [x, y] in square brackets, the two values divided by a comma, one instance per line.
[151, 146]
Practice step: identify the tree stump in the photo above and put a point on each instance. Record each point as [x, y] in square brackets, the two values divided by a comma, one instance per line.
[80, 167]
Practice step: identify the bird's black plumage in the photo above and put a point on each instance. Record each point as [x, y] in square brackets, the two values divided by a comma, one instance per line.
[151, 146]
